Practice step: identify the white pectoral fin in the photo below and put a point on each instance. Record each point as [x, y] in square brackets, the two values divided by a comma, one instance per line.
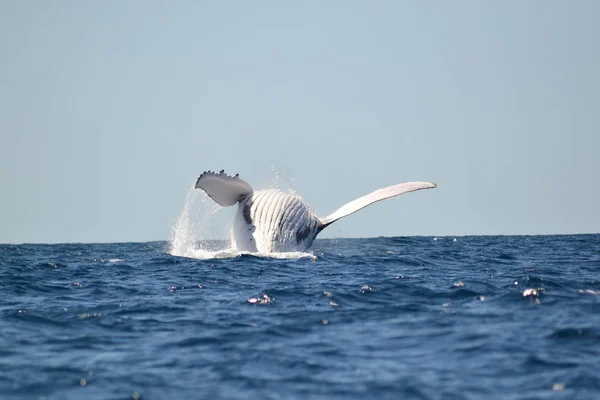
[224, 189]
[380, 194]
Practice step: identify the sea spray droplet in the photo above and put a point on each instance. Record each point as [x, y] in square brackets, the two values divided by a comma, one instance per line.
[89, 315]
[532, 292]
[262, 299]
[283, 180]
[365, 288]
[52, 265]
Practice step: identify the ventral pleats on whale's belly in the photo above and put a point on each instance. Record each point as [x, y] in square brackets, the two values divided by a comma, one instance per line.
[274, 221]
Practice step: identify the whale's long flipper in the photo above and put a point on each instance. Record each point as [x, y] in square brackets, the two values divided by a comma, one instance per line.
[371, 198]
[222, 188]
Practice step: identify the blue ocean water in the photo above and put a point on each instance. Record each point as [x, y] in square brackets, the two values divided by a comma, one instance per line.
[507, 317]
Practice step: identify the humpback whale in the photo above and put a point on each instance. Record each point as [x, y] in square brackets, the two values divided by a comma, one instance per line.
[274, 221]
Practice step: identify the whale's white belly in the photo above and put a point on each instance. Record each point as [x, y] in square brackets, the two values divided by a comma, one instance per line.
[273, 221]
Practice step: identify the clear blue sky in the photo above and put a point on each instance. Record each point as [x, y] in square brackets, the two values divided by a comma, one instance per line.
[110, 110]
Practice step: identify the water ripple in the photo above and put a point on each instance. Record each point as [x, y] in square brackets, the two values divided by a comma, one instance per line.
[408, 317]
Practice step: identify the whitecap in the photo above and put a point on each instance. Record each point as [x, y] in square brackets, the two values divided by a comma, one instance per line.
[203, 254]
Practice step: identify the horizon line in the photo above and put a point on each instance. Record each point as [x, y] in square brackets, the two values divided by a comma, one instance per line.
[324, 238]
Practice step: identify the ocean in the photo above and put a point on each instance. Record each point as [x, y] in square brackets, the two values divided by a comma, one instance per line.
[481, 317]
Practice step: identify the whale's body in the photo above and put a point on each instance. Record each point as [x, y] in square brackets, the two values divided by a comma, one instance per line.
[274, 221]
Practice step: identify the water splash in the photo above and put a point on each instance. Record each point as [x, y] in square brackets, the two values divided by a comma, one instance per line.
[282, 180]
[190, 236]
